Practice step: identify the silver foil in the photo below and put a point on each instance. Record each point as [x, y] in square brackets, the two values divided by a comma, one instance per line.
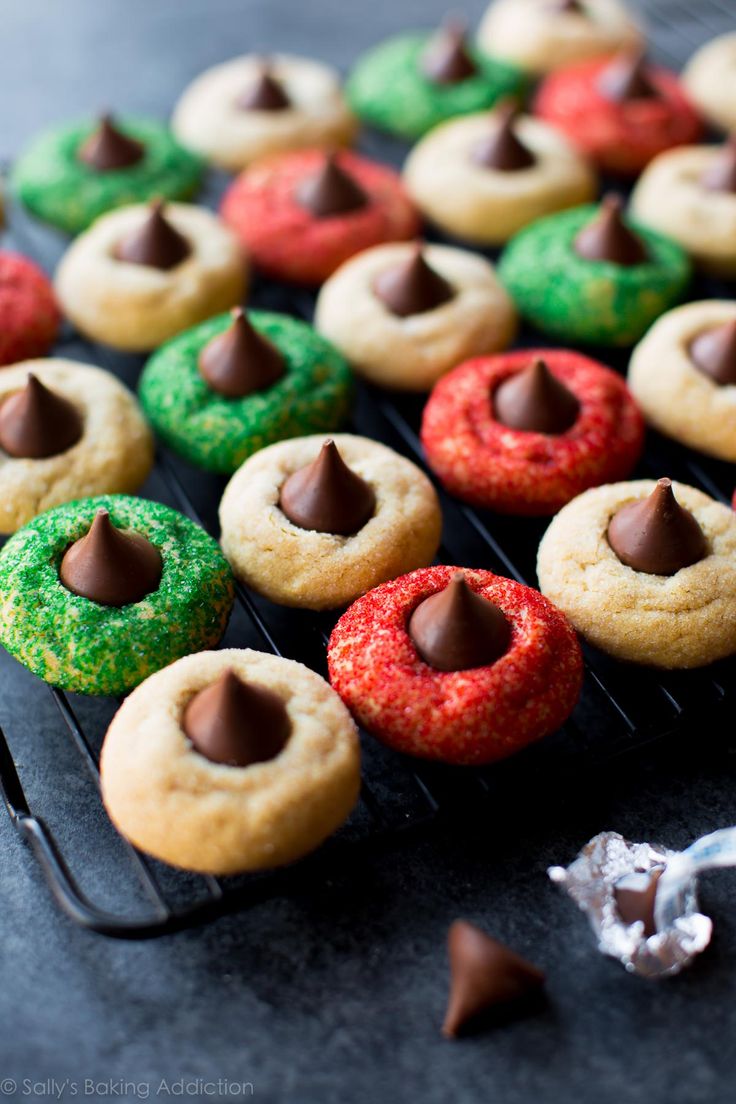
[682, 931]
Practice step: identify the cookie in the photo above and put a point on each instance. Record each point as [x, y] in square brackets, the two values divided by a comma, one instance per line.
[620, 112]
[410, 83]
[588, 275]
[526, 431]
[441, 306]
[72, 174]
[297, 383]
[313, 523]
[182, 806]
[300, 215]
[683, 619]
[483, 177]
[690, 195]
[180, 603]
[468, 715]
[710, 80]
[543, 35]
[252, 107]
[29, 316]
[683, 376]
[142, 274]
[102, 445]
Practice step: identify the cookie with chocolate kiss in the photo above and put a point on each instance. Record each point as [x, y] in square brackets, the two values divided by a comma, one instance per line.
[412, 287]
[502, 150]
[240, 360]
[111, 566]
[608, 238]
[37, 422]
[656, 535]
[155, 243]
[535, 401]
[457, 629]
[485, 973]
[236, 723]
[108, 148]
[445, 59]
[327, 496]
[330, 191]
[713, 352]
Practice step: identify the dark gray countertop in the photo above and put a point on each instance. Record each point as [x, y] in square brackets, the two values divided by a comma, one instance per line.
[336, 993]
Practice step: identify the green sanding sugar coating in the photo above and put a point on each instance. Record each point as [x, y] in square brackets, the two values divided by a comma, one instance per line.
[219, 433]
[57, 187]
[598, 302]
[388, 89]
[80, 645]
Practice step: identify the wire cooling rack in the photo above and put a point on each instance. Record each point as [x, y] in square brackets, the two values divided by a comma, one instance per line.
[622, 708]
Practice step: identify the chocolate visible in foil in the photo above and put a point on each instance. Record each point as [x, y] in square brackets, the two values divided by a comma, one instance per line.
[680, 930]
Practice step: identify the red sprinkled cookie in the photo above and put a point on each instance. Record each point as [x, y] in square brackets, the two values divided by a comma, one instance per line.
[29, 316]
[470, 716]
[620, 135]
[598, 439]
[300, 215]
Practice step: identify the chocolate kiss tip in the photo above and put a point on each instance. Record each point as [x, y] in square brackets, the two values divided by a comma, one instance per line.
[240, 360]
[445, 59]
[37, 422]
[721, 175]
[155, 243]
[111, 566]
[656, 535]
[266, 93]
[412, 286]
[108, 148]
[713, 352]
[502, 150]
[535, 401]
[236, 723]
[457, 629]
[327, 496]
[572, 7]
[484, 973]
[625, 78]
[608, 238]
[330, 191]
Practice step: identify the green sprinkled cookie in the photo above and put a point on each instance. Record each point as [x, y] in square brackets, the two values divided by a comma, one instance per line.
[412, 82]
[162, 590]
[588, 275]
[72, 174]
[238, 382]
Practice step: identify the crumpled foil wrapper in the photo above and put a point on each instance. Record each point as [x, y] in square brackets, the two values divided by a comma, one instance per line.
[681, 930]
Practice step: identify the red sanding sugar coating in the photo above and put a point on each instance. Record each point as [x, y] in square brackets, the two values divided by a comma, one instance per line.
[287, 242]
[620, 137]
[520, 472]
[465, 717]
[29, 316]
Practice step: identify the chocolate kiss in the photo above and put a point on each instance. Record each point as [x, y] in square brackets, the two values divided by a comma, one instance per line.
[656, 535]
[327, 495]
[266, 93]
[457, 629]
[608, 238]
[721, 175]
[240, 360]
[625, 78]
[112, 566]
[330, 191]
[412, 287]
[484, 973]
[36, 422]
[155, 242]
[536, 401]
[572, 7]
[501, 149]
[445, 59]
[714, 353]
[236, 723]
[634, 895]
[108, 148]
